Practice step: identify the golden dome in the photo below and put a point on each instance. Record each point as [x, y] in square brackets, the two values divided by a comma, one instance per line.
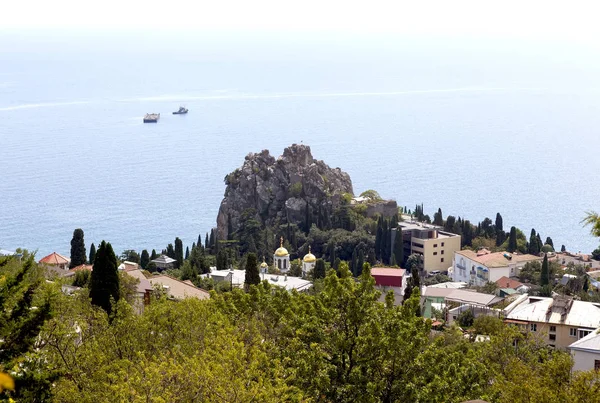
[264, 264]
[281, 251]
[309, 257]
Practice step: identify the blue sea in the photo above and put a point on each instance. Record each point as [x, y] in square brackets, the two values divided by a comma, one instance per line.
[470, 126]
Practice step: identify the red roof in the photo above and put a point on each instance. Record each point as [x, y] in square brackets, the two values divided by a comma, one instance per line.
[387, 271]
[505, 282]
[54, 259]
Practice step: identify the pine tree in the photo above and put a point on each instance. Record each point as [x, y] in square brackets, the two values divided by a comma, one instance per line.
[545, 275]
[438, 219]
[153, 255]
[78, 254]
[252, 273]
[500, 235]
[319, 271]
[104, 283]
[178, 252]
[399, 247]
[144, 259]
[92, 254]
[187, 252]
[512, 240]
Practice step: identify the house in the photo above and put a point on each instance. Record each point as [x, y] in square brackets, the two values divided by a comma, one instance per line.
[505, 282]
[449, 284]
[559, 321]
[143, 290]
[164, 262]
[483, 266]
[177, 289]
[456, 300]
[390, 279]
[127, 266]
[89, 267]
[435, 246]
[237, 277]
[56, 260]
[564, 258]
[586, 352]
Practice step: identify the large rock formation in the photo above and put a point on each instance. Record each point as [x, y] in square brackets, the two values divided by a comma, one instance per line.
[277, 191]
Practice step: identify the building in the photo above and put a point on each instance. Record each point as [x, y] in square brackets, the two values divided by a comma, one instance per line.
[483, 266]
[89, 267]
[178, 289]
[164, 262]
[390, 279]
[456, 300]
[237, 277]
[505, 282]
[558, 321]
[56, 260]
[586, 352]
[436, 246]
[281, 258]
[127, 266]
[308, 263]
[143, 289]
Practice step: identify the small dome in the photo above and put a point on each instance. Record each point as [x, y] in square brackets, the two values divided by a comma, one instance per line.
[264, 265]
[281, 251]
[309, 258]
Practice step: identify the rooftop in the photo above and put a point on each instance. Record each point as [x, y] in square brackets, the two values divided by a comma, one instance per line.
[55, 259]
[387, 271]
[449, 284]
[287, 282]
[144, 285]
[163, 259]
[497, 259]
[176, 288]
[505, 282]
[89, 267]
[128, 266]
[590, 343]
[462, 296]
[560, 310]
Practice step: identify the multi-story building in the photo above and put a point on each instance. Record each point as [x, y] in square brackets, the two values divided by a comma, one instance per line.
[483, 266]
[558, 321]
[436, 246]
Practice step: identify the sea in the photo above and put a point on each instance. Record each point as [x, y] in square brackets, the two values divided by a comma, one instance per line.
[470, 125]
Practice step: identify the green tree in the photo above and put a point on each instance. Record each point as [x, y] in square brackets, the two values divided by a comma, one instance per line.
[178, 252]
[78, 253]
[187, 252]
[596, 253]
[252, 274]
[144, 259]
[500, 235]
[545, 275]
[92, 253]
[319, 270]
[549, 242]
[399, 247]
[512, 240]
[104, 284]
[438, 219]
[82, 278]
[592, 219]
[222, 260]
[130, 255]
[153, 255]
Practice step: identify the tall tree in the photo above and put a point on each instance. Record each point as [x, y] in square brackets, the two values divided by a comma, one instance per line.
[319, 271]
[545, 275]
[549, 242]
[104, 284]
[378, 239]
[500, 235]
[144, 259]
[399, 247]
[178, 252]
[512, 240]
[331, 253]
[533, 243]
[207, 243]
[388, 243]
[92, 253]
[170, 251]
[78, 254]
[252, 273]
[438, 219]
[563, 248]
[199, 243]
[222, 260]
[153, 255]
[360, 262]
[187, 252]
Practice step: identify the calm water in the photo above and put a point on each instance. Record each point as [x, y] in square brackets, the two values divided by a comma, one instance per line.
[468, 130]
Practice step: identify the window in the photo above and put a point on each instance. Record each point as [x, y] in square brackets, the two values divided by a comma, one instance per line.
[553, 329]
[533, 327]
[597, 365]
[442, 260]
[442, 244]
[573, 332]
[583, 333]
[435, 245]
[552, 337]
[442, 252]
[434, 253]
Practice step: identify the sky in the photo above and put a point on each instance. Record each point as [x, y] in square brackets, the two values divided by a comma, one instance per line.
[570, 21]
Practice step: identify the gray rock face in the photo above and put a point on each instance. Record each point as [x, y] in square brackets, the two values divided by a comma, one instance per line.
[279, 190]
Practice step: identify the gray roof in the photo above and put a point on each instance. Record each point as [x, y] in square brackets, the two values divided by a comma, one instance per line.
[462, 296]
[163, 259]
[591, 343]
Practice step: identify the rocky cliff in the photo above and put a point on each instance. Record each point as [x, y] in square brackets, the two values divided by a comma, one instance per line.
[293, 188]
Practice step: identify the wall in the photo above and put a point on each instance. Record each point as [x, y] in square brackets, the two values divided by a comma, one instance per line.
[433, 252]
[393, 281]
[583, 360]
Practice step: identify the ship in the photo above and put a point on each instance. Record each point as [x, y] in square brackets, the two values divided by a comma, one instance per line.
[181, 111]
[151, 117]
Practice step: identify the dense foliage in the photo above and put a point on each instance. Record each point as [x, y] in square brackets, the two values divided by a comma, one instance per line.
[78, 254]
[104, 282]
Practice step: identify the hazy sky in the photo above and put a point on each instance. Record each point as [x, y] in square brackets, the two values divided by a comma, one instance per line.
[573, 21]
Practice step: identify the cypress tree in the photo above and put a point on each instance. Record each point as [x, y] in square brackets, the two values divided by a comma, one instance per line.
[252, 274]
[104, 283]
[199, 242]
[360, 262]
[545, 275]
[331, 253]
[500, 235]
[178, 252]
[549, 242]
[78, 254]
[153, 255]
[378, 238]
[222, 260]
[467, 230]
[92, 254]
[407, 290]
[563, 248]
[533, 243]
[206, 243]
[383, 246]
[449, 224]
[144, 259]
[539, 244]
[438, 219]
[353, 262]
[512, 240]
[388, 243]
[187, 252]
[212, 240]
[399, 247]
[336, 264]
[319, 271]
[170, 251]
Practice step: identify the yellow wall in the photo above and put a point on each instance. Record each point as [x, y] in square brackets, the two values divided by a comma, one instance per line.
[562, 333]
[430, 246]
